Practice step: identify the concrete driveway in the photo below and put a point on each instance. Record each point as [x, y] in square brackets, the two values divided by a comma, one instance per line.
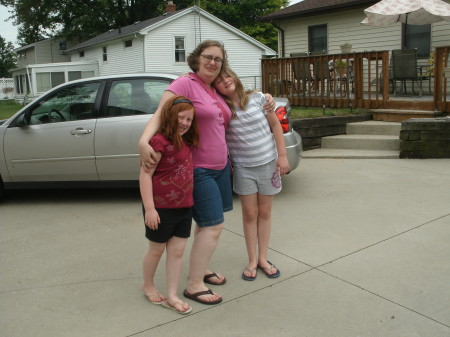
[362, 245]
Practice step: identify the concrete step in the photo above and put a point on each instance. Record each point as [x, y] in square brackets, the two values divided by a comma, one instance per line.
[349, 154]
[362, 142]
[374, 128]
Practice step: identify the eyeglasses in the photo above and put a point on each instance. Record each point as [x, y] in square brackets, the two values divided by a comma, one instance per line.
[211, 58]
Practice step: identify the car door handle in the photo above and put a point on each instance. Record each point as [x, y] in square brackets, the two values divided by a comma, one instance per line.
[80, 131]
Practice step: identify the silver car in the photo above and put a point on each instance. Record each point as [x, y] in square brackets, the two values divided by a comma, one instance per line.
[84, 133]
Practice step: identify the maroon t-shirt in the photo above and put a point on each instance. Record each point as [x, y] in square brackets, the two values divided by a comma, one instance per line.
[173, 179]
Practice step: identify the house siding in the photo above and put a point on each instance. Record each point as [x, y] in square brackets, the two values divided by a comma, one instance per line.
[346, 26]
[243, 56]
[340, 28]
[46, 51]
[440, 34]
[121, 59]
[30, 58]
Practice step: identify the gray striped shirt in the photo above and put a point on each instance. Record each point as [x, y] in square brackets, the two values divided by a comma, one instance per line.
[249, 138]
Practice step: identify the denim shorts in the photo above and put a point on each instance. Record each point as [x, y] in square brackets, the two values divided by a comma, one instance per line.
[212, 196]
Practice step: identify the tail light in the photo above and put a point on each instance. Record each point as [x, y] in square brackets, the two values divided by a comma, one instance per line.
[283, 118]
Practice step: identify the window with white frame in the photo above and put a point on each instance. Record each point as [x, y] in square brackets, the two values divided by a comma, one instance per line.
[105, 54]
[317, 38]
[48, 80]
[76, 75]
[128, 43]
[180, 50]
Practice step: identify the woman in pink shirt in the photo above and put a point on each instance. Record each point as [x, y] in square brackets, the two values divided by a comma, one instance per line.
[212, 185]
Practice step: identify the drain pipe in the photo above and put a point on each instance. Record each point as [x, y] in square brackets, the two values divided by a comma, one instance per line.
[282, 37]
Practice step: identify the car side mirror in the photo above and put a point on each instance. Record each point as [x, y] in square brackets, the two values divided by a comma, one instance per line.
[22, 120]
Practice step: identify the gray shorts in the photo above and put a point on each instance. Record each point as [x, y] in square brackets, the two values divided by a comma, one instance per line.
[263, 179]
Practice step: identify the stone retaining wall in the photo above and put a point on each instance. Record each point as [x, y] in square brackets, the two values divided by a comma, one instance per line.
[313, 129]
[425, 138]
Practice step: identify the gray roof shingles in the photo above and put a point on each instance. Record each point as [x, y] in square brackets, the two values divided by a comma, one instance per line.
[314, 7]
[121, 32]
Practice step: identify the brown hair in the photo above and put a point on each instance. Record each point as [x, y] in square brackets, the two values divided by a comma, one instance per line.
[194, 57]
[169, 122]
[243, 95]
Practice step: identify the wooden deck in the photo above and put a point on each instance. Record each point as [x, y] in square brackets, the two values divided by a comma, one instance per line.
[363, 82]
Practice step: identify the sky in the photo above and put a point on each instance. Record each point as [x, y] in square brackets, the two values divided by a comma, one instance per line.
[9, 32]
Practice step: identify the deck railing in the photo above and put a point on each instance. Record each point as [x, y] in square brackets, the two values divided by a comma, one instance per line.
[357, 80]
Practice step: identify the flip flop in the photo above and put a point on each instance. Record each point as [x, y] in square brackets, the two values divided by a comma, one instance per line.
[249, 278]
[167, 305]
[195, 296]
[206, 279]
[152, 299]
[268, 269]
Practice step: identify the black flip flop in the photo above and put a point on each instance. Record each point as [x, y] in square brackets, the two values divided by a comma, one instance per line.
[265, 270]
[207, 277]
[195, 296]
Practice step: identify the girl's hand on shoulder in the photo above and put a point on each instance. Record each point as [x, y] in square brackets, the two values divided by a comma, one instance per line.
[149, 158]
[269, 106]
[152, 219]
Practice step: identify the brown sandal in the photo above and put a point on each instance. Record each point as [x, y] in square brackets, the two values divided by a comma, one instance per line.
[195, 296]
[206, 279]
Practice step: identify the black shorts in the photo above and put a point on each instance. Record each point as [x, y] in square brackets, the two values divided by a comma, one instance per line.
[174, 222]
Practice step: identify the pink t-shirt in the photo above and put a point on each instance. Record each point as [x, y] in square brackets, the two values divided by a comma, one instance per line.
[173, 179]
[212, 153]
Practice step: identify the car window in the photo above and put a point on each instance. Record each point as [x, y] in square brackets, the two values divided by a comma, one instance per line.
[69, 103]
[135, 97]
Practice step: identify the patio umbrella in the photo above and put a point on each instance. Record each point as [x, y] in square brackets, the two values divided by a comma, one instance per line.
[413, 12]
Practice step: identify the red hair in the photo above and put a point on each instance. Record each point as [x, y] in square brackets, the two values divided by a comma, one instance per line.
[169, 122]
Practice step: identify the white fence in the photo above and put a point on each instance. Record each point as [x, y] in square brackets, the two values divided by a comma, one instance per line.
[6, 88]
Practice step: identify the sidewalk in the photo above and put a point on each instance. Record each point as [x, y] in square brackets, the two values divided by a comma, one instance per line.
[362, 245]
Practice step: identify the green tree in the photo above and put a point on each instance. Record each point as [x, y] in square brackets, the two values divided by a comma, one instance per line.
[245, 15]
[7, 58]
[76, 19]
[84, 19]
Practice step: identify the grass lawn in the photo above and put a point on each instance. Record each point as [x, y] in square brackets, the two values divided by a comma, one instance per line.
[8, 108]
[313, 112]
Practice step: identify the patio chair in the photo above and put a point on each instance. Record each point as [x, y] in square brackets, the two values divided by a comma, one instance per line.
[321, 71]
[302, 73]
[404, 68]
[339, 78]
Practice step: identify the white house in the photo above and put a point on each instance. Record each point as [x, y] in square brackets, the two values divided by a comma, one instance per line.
[162, 44]
[43, 65]
[315, 25]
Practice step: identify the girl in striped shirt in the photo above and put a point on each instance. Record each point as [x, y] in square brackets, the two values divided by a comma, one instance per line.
[257, 151]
